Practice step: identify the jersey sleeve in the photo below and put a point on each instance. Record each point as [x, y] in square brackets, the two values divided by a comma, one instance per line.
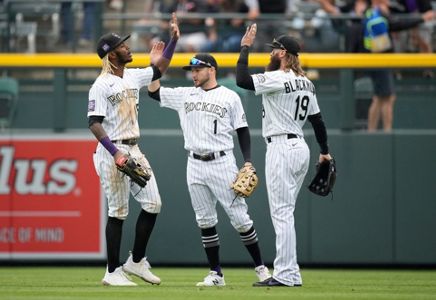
[238, 114]
[267, 82]
[97, 103]
[173, 98]
[313, 107]
[143, 75]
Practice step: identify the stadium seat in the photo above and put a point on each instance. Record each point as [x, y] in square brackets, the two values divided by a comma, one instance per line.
[8, 101]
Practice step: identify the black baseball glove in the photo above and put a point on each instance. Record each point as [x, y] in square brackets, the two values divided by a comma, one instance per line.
[137, 173]
[325, 177]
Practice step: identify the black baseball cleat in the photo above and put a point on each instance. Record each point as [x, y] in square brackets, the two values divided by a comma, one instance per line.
[271, 282]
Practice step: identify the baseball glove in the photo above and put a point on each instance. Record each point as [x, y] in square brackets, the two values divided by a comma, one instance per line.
[246, 181]
[137, 173]
[325, 177]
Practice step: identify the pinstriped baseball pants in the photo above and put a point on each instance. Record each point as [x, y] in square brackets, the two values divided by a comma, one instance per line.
[287, 162]
[117, 186]
[209, 182]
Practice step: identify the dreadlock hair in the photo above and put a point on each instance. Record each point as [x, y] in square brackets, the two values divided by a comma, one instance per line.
[107, 66]
[293, 63]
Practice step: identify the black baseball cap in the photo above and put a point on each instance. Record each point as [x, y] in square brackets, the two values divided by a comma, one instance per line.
[201, 60]
[108, 43]
[285, 42]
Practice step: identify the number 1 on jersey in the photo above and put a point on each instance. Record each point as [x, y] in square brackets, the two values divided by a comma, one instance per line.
[215, 125]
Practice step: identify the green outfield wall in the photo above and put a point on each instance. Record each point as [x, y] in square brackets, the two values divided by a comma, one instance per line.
[382, 210]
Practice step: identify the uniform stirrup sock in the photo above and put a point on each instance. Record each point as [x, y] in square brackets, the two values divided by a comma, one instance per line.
[114, 228]
[217, 269]
[211, 245]
[144, 228]
[250, 241]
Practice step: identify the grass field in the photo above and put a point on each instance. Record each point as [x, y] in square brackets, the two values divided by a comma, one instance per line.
[179, 283]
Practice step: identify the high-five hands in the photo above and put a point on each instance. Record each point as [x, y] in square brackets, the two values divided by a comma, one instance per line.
[249, 36]
[174, 27]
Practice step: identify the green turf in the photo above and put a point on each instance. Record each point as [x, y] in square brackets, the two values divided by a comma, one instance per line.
[179, 283]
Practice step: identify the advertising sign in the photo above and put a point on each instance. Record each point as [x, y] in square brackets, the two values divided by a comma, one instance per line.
[51, 205]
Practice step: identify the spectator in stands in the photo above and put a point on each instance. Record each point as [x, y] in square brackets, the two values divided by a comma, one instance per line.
[67, 24]
[116, 4]
[383, 82]
[147, 30]
[256, 7]
[271, 27]
[419, 37]
[197, 32]
[230, 30]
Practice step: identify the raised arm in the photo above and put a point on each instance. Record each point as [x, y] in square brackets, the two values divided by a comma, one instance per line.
[243, 78]
[164, 60]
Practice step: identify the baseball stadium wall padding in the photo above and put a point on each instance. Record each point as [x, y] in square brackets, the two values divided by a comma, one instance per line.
[381, 211]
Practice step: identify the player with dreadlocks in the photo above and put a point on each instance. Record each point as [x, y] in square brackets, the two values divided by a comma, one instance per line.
[113, 119]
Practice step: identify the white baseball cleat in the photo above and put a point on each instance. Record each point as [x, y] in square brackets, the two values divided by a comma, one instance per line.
[141, 269]
[117, 278]
[262, 272]
[212, 279]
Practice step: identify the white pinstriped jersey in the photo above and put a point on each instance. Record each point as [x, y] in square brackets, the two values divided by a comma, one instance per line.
[207, 118]
[117, 100]
[287, 100]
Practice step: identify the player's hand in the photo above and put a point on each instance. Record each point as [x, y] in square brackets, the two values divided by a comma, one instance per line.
[119, 157]
[249, 36]
[174, 27]
[428, 16]
[156, 52]
[324, 157]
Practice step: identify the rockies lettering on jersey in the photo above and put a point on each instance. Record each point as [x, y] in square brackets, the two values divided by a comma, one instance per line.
[117, 99]
[125, 94]
[208, 118]
[204, 106]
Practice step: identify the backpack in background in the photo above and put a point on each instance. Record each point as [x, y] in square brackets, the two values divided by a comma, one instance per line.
[376, 31]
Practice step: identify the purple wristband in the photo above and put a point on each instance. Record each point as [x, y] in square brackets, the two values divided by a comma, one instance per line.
[106, 142]
[169, 50]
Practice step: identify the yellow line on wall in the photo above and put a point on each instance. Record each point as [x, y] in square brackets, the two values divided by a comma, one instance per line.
[311, 60]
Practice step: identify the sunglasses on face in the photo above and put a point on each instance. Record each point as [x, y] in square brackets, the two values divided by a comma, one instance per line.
[279, 45]
[196, 62]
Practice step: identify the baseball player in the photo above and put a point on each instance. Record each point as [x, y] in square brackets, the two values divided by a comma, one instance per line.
[288, 100]
[113, 119]
[209, 113]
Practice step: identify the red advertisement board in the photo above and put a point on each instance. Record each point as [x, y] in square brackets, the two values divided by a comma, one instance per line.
[51, 204]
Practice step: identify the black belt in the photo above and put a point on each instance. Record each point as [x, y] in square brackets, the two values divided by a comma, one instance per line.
[207, 157]
[130, 142]
[290, 136]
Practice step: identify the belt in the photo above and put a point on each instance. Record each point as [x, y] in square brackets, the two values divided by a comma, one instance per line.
[289, 135]
[130, 142]
[208, 156]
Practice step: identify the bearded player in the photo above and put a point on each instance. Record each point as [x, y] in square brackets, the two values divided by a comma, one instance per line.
[288, 100]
